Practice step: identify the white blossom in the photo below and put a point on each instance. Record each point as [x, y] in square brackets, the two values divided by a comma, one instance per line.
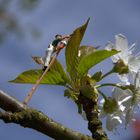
[125, 54]
[126, 101]
[129, 98]
[112, 119]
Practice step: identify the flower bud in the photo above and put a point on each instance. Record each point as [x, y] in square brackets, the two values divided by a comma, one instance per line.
[110, 105]
[120, 67]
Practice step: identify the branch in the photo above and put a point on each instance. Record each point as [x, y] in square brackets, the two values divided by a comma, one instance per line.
[94, 123]
[29, 96]
[9, 103]
[18, 113]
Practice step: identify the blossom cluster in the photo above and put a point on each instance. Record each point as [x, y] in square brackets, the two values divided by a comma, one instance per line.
[121, 106]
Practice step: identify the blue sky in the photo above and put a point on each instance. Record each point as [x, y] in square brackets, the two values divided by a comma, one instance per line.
[108, 18]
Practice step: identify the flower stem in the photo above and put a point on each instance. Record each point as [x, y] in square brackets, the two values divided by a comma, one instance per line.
[114, 85]
[108, 84]
[108, 73]
[103, 95]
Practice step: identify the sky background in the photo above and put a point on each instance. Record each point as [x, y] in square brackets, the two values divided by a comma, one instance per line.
[51, 17]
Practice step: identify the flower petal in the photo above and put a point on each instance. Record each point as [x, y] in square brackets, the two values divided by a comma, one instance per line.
[132, 48]
[137, 79]
[122, 44]
[133, 63]
[124, 79]
[122, 96]
[129, 115]
[109, 46]
[112, 122]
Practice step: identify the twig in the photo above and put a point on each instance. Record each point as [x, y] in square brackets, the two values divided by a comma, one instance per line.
[29, 96]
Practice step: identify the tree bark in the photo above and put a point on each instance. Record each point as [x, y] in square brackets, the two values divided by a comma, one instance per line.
[94, 123]
[17, 112]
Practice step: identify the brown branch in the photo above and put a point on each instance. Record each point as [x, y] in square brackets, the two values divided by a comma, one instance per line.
[9, 103]
[94, 123]
[18, 113]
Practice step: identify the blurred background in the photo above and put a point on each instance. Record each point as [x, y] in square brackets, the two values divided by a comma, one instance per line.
[26, 29]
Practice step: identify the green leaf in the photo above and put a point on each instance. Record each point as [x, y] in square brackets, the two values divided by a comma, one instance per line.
[92, 59]
[56, 76]
[59, 68]
[31, 76]
[72, 48]
[71, 94]
[74, 97]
